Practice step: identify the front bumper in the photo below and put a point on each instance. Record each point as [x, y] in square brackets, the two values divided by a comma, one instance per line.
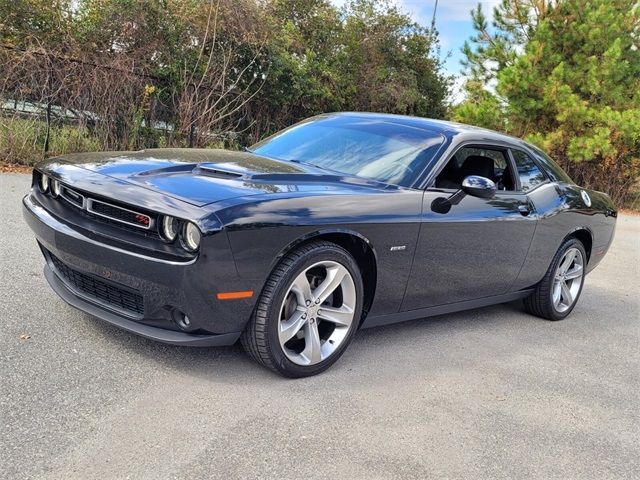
[165, 287]
[154, 333]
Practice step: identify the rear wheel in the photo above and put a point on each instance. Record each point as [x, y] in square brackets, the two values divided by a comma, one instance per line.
[307, 312]
[557, 294]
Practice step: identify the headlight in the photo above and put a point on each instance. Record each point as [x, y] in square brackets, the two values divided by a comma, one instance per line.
[55, 188]
[170, 227]
[44, 183]
[190, 237]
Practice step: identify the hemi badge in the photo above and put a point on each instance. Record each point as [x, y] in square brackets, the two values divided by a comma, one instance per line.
[398, 248]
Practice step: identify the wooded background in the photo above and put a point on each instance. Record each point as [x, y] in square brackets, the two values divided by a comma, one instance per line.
[128, 74]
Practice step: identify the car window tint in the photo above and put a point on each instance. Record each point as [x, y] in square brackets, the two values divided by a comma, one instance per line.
[485, 162]
[554, 170]
[379, 150]
[499, 160]
[530, 175]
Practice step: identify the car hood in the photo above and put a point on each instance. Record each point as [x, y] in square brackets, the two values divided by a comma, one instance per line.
[201, 177]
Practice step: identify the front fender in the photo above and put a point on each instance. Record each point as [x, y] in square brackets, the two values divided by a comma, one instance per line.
[323, 232]
[263, 230]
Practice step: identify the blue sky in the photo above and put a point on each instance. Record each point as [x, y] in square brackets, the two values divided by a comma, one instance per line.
[453, 21]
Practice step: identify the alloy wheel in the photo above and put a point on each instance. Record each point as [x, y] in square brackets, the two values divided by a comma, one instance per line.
[317, 313]
[567, 280]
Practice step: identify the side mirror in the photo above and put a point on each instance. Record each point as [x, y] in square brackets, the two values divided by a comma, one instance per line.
[473, 185]
[477, 186]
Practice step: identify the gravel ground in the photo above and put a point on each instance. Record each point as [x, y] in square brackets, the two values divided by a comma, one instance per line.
[490, 393]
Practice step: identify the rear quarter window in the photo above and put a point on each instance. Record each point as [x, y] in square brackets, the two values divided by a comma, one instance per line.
[555, 172]
[530, 174]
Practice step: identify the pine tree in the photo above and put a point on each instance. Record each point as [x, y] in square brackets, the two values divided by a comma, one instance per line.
[565, 75]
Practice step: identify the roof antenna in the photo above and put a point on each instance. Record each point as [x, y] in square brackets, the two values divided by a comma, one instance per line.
[433, 19]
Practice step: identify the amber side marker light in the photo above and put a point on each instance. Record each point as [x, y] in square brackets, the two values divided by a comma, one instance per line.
[235, 295]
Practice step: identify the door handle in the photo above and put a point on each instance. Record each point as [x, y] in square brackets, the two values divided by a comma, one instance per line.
[524, 209]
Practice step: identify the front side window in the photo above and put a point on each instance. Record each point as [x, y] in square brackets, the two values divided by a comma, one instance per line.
[369, 148]
[530, 175]
[484, 162]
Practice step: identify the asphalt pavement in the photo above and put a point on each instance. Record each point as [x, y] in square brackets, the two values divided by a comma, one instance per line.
[489, 393]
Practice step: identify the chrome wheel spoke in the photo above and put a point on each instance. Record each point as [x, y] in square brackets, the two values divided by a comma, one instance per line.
[291, 327]
[342, 316]
[557, 293]
[567, 261]
[330, 283]
[313, 348]
[575, 272]
[301, 288]
[567, 298]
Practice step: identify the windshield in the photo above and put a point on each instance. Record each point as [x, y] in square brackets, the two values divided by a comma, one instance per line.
[370, 148]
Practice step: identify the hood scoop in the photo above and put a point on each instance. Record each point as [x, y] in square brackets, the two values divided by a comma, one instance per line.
[218, 171]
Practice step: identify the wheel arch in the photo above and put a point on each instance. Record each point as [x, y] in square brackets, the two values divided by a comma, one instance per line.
[358, 246]
[586, 238]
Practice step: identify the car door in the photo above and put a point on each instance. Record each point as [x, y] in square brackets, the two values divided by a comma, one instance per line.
[478, 247]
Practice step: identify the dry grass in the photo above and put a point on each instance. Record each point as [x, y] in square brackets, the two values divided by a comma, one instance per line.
[13, 168]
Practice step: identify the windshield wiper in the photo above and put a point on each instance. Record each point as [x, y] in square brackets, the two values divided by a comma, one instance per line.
[312, 165]
[300, 162]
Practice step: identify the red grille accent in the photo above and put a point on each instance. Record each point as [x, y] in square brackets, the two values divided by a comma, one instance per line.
[142, 220]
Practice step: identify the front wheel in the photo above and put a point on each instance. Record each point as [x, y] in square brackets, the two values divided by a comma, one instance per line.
[307, 312]
[557, 294]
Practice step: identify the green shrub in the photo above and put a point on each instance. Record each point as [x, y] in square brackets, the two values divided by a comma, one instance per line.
[21, 140]
[70, 139]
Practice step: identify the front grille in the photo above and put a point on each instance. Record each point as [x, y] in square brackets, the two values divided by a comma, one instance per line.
[119, 214]
[152, 233]
[103, 292]
[110, 213]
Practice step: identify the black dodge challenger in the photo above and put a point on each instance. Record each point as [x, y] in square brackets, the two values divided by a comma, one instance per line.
[340, 222]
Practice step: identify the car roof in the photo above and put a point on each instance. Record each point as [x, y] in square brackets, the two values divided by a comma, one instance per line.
[443, 127]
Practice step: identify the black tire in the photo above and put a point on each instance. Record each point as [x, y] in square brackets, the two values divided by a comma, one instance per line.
[260, 337]
[540, 302]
